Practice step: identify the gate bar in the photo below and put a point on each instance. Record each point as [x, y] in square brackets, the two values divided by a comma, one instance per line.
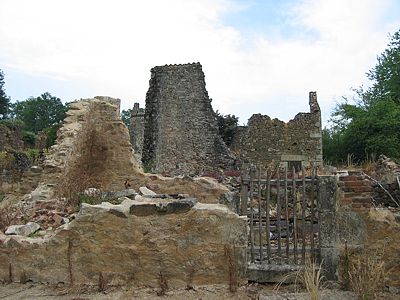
[294, 215]
[260, 215]
[268, 230]
[278, 211]
[312, 214]
[251, 217]
[287, 213]
[303, 216]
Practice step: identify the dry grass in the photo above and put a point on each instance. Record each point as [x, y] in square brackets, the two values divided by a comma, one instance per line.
[87, 168]
[366, 275]
[232, 268]
[309, 277]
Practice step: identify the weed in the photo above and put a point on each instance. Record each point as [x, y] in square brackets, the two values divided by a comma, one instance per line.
[101, 284]
[33, 154]
[189, 282]
[147, 168]
[88, 199]
[163, 284]
[233, 279]
[34, 234]
[23, 278]
[87, 167]
[366, 274]
[310, 277]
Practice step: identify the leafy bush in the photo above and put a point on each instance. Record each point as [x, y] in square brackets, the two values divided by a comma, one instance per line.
[12, 123]
[33, 154]
[29, 139]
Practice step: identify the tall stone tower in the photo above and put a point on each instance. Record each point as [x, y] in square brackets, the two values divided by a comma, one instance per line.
[181, 131]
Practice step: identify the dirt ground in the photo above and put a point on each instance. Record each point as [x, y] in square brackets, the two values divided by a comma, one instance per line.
[251, 291]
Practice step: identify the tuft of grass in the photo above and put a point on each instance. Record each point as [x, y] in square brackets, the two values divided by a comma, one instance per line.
[309, 277]
[366, 274]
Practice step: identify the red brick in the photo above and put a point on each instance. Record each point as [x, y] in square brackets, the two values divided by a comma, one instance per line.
[354, 183]
[362, 189]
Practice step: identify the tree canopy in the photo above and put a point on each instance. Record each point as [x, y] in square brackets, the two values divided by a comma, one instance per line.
[227, 125]
[126, 117]
[40, 113]
[371, 125]
[4, 99]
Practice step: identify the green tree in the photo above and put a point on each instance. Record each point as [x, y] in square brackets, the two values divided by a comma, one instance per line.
[227, 125]
[126, 117]
[40, 113]
[371, 125]
[4, 99]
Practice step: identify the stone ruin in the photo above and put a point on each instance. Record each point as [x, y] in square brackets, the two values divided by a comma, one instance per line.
[266, 141]
[180, 127]
[178, 133]
[137, 131]
[137, 241]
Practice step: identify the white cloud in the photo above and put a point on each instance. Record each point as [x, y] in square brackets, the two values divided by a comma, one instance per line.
[111, 46]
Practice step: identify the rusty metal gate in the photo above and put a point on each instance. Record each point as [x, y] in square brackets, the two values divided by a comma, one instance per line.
[283, 214]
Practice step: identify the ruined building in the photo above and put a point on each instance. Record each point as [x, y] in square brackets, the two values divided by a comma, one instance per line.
[92, 150]
[178, 133]
[268, 141]
[180, 127]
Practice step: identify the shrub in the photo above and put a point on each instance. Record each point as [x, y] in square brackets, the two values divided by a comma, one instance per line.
[29, 139]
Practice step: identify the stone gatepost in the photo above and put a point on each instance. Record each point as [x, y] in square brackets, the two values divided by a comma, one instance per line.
[329, 246]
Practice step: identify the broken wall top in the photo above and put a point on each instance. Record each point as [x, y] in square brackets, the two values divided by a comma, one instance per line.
[267, 141]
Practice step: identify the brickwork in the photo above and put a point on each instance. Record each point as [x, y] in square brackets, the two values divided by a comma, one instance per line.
[266, 141]
[181, 131]
[356, 191]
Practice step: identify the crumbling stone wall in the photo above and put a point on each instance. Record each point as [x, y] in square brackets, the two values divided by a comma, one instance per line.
[137, 130]
[181, 131]
[95, 140]
[137, 243]
[10, 137]
[266, 141]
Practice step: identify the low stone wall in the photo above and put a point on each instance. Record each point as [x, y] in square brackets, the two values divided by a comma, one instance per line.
[142, 242]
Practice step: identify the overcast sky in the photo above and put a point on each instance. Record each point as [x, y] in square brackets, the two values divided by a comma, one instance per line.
[257, 56]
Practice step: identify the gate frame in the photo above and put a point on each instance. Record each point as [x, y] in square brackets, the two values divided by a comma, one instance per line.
[324, 191]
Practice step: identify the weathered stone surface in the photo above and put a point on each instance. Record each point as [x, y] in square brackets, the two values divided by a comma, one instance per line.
[204, 245]
[36, 169]
[24, 230]
[271, 273]
[93, 138]
[161, 207]
[265, 141]
[146, 192]
[10, 137]
[181, 131]
[137, 131]
[130, 193]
